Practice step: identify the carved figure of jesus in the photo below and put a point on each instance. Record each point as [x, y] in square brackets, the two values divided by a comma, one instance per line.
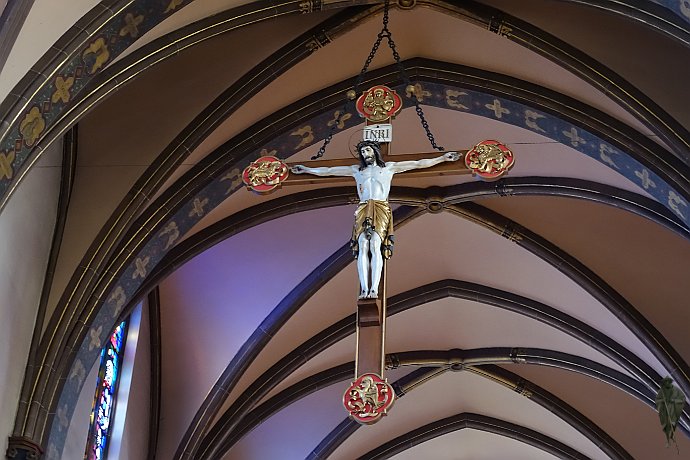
[372, 234]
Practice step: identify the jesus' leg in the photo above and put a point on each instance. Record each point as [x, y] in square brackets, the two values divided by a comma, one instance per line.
[376, 265]
[363, 265]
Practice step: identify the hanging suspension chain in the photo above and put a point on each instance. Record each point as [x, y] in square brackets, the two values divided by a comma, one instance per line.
[406, 81]
[385, 33]
[358, 82]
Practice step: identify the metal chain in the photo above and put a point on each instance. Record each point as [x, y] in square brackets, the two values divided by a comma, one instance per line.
[406, 80]
[358, 82]
[385, 33]
[328, 138]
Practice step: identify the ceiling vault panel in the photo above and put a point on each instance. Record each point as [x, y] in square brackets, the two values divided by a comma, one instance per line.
[191, 185]
[220, 439]
[572, 266]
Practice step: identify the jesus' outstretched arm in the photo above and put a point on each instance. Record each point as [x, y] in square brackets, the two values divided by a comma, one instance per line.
[402, 166]
[348, 171]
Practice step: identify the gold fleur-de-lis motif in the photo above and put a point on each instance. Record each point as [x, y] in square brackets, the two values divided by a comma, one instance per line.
[198, 207]
[78, 372]
[173, 233]
[645, 179]
[32, 126]
[340, 120]
[574, 137]
[172, 6]
[62, 87]
[419, 92]
[6, 159]
[674, 200]
[452, 99]
[497, 109]
[306, 134]
[100, 49]
[531, 118]
[235, 178]
[120, 298]
[95, 338]
[63, 421]
[140, 265]
[131, 26]
[604, 151]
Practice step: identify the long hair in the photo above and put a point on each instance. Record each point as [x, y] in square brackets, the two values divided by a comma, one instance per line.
[376, 147]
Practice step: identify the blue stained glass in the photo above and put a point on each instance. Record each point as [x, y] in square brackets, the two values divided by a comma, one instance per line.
[106, 389]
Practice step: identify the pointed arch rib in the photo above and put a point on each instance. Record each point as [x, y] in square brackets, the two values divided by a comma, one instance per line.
[497, 375]
[217, 444]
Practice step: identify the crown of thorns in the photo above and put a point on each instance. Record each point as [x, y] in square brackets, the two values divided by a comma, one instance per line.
[373, 144]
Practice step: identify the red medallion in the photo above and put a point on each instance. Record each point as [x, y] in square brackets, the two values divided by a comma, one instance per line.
[489, 159]
[265, 174]
[368, 398]
[378, 104]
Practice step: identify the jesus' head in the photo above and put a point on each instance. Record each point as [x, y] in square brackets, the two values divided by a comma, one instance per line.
[369, 154]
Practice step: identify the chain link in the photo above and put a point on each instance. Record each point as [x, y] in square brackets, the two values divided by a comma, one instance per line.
[385, 33]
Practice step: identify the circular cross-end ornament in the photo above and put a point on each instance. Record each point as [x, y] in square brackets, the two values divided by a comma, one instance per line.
[379, 103]
[489, 159]
[368, 398]
[265, 174]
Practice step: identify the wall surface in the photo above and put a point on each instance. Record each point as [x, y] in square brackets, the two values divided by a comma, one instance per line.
[26, 226]
[46, 22]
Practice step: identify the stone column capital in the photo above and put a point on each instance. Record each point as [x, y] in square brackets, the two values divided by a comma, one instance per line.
[23, 448]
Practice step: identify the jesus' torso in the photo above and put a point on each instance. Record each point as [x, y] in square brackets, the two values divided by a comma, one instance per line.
[373, 182]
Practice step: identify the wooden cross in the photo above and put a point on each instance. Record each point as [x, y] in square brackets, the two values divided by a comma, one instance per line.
[370, 395]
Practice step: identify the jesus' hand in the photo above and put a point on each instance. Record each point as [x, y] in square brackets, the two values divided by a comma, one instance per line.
[452, 156]
[297, 169]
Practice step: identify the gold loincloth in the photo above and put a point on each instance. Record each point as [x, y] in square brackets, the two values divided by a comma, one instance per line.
[373, 216]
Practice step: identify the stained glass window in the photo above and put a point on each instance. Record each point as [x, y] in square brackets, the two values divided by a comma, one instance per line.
[106, 390]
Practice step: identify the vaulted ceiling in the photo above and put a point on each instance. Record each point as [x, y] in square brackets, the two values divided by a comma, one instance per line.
[530, 317]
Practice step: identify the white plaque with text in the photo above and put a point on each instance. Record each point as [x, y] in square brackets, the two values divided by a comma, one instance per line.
[378, 133]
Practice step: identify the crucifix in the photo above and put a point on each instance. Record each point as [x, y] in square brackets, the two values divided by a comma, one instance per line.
[370, 395]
